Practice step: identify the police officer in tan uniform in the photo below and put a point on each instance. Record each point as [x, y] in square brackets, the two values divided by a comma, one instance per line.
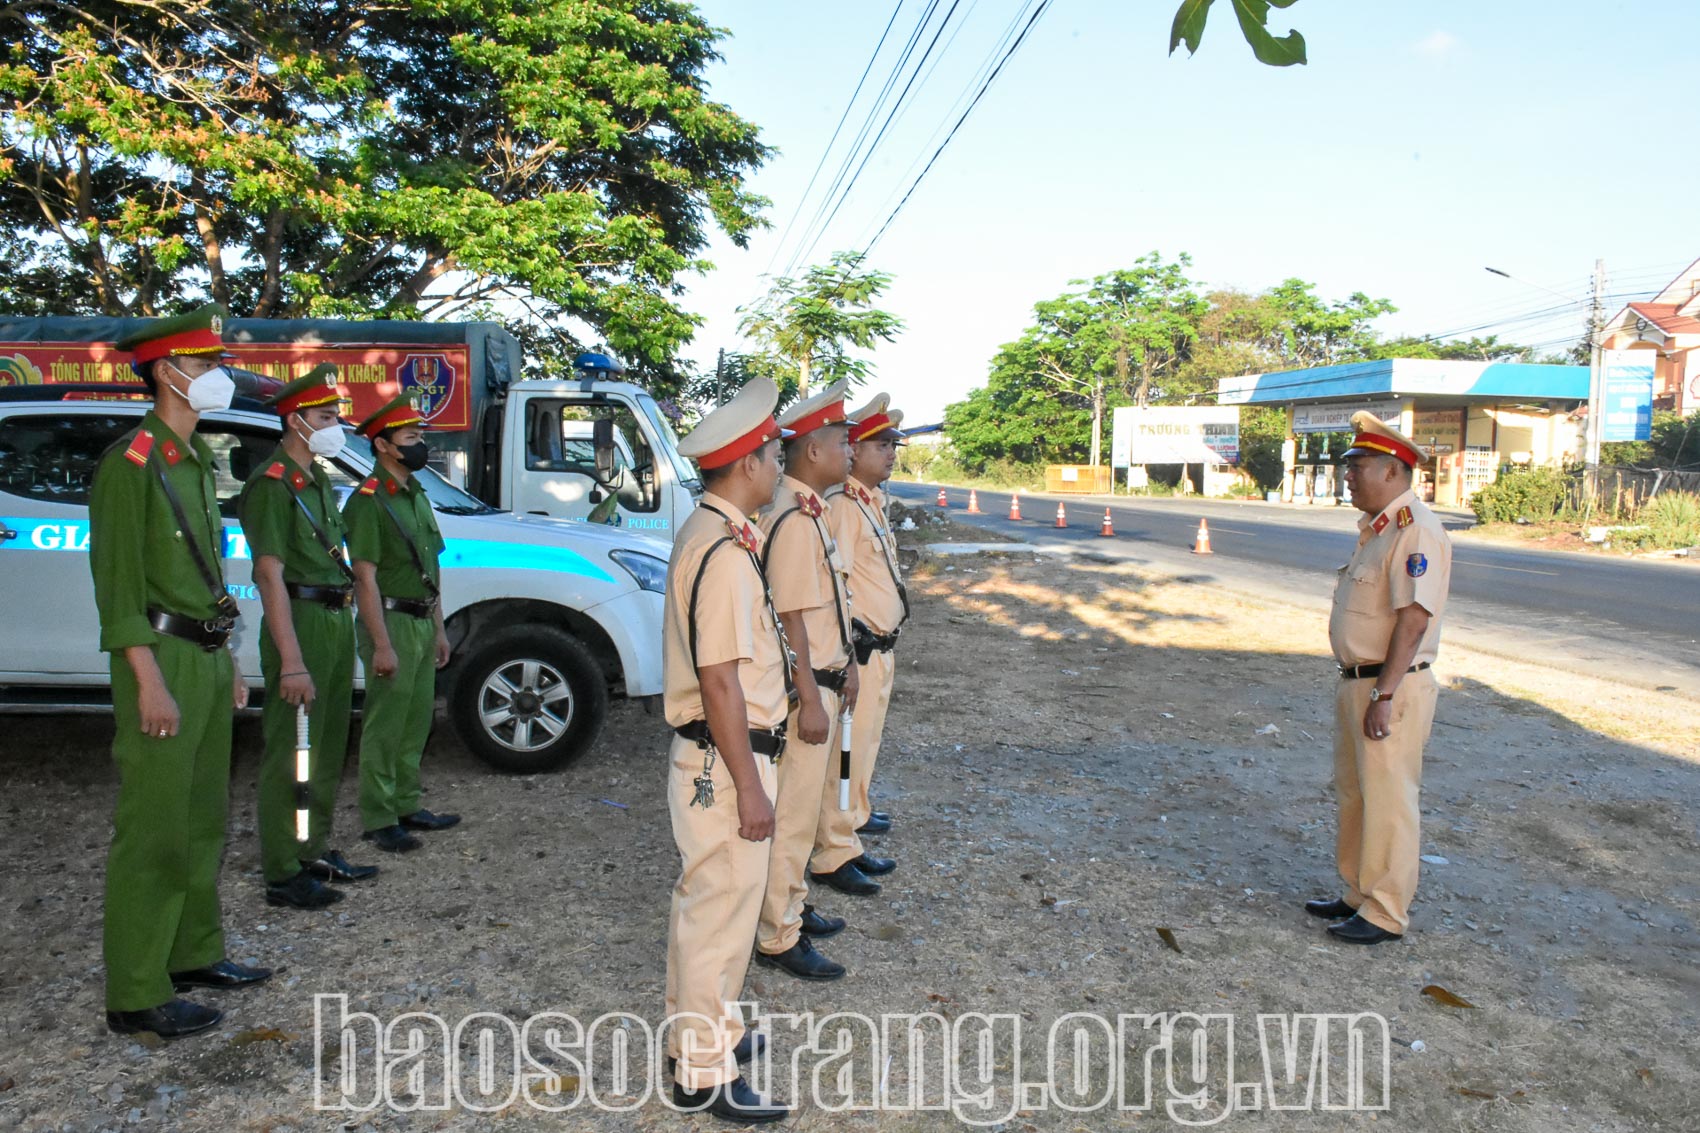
[864, 539]
[1385, 632]
[812, 594]
[727, 682]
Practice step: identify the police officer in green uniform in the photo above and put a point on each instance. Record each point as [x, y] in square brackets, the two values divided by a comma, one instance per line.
[155, 538]
[295, 537]
[394, 542]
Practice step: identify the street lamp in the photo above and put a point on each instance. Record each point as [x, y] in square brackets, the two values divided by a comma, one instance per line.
[1591, 438]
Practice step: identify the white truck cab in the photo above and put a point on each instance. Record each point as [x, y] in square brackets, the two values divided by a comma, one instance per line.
[547, 618]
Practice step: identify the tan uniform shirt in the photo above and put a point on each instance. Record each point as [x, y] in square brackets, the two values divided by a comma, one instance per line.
[1403, 557]
[733, 622]
[864, 538]
[806, 579]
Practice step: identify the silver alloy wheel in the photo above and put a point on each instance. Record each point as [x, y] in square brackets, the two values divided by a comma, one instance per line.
[525, 704]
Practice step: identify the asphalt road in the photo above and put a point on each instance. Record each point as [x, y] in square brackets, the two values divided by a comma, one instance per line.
[1589, 610]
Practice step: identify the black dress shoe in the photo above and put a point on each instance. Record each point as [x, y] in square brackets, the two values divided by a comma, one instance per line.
[848, 879]
[735, 1101]
[818, 924]
[303, 891]
[332, 866]
[748, 1047]
[878, 823]
[425, 820]
[392, 839]
[224, 974]
[1334, 910]
[1359, 931]
[170, 1020]
[872, 866]
[802, 961]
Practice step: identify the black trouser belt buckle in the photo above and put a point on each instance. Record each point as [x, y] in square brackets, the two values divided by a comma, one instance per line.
[210, 634]
[1366, 672]
[413, 607]
[331, 597]
[832, 680]
[763, 741]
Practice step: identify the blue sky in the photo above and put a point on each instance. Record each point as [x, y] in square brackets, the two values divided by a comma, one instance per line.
[1423, 142]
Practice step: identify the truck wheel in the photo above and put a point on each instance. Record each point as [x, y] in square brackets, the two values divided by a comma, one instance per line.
[529, 699]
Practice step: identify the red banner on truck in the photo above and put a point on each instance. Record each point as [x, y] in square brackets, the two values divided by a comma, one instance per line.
[436, 376]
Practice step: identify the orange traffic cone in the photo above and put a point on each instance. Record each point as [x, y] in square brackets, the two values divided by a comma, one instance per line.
[1062, 516]
[1201, 545]
[1015, 507]
[1106, 530]
[943, 502]
[974, 502]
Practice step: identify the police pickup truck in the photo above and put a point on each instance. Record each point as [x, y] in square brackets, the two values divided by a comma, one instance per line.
[547, 618]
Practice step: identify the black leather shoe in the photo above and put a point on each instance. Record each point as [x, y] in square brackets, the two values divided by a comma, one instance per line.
[817, 924]
[848, 879]
[802, 961]
[425, 820]
[872, 866]
[332, 866]
[224, 974]
[735, 1101]
[170, 1020]
[748, 1047]
[303, 891]
[392, 839]
[1359, 931]
[1334, 910]
[878, 823]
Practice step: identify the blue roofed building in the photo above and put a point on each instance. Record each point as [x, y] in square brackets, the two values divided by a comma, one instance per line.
[1473, 418]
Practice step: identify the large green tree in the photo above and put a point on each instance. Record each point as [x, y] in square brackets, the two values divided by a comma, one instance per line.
[396, 158]
[810, 326]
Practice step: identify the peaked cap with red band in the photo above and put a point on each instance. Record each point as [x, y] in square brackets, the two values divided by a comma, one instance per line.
[395, 414]
[314, 388]
[871, 418]
[736, 429]
[876, 426]
[1373, 435]
[198, 332]
[823, 409]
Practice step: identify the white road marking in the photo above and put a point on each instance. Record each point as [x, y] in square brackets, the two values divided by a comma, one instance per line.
[1519, 570]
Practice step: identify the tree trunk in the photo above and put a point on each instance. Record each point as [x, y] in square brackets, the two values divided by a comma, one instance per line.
[802, 377]
[412, 293]
[210, 246]
[1097, 418]
[271, 291]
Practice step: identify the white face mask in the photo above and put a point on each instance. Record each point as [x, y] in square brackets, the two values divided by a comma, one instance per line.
[327, 442]
[211, 390]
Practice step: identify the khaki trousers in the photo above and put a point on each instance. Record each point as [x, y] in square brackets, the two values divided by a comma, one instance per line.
[836, 841]
[716, 903]
[802, 778]
[1375, 786]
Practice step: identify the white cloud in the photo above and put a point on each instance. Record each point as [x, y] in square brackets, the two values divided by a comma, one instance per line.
[1439, 45]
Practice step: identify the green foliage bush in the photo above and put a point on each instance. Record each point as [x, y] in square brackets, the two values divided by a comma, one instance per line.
[1536, 495]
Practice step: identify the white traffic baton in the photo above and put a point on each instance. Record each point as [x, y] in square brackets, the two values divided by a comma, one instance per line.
[844, 721]
[303, 768]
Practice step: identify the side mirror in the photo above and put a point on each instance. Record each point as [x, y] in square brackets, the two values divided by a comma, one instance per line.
[602, 436]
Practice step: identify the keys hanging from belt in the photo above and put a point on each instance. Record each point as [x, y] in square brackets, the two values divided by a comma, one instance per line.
[704, 783]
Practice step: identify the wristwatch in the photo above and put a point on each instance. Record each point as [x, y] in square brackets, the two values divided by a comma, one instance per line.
[1376, 694]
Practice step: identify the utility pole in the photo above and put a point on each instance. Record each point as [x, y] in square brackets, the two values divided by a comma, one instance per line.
[720, 377]
[1591, 441]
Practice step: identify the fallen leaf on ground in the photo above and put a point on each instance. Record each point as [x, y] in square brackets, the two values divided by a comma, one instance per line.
[260, 1035]
[1269, 730]
[1441, 995]
[1645, 1075]
[1168, 935]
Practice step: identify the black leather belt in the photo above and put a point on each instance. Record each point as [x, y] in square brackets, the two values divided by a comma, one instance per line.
[414, 607]
[1364, 672]
[333, 597]
[763, 741]
[884, 643]
[208, 633]
[832, 680]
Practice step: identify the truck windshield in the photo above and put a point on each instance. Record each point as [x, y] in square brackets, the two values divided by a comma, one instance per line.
[444, 496]
[670, 442]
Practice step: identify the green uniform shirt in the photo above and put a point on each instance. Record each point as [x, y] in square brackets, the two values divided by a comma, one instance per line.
[136, 553]
[373, 537]
[273, 522]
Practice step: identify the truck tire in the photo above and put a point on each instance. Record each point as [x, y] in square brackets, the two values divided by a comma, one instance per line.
[529, 699]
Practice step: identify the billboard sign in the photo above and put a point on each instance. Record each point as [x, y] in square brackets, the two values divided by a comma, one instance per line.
[1174, 434]
[1337, 416]
[1626, 395]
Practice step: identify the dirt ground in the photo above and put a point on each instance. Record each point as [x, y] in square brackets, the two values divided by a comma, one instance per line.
[1078, 754]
